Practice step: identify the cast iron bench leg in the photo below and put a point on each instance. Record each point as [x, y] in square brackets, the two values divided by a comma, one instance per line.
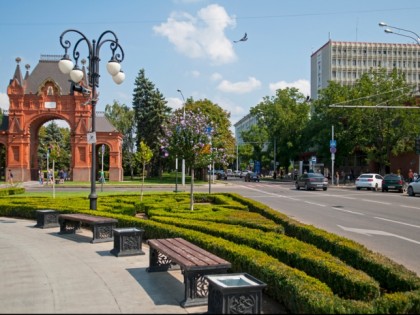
[103, 232]
[69, 227]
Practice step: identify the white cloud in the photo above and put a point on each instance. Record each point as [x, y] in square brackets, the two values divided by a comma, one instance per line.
[174, 102]
[195, 73]
[4, 101]
[200, 36]
[216, 77]
[302, 85]
[239, 87]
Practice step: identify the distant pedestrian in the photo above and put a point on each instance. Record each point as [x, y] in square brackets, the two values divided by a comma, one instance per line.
[410, 175]
[40, 177]
[10, 177]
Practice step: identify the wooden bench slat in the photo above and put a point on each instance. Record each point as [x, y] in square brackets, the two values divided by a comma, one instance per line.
[187, 254]
[87, 218]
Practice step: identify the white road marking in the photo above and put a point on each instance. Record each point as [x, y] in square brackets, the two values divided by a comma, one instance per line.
[398, 222]
[374, 201]
[411, 207]
[349, 211]
[315, 204]
[377, 232]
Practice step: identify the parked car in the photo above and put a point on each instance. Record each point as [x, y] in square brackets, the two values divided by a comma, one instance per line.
[244, 173]
[252, 177]
[394, 182]
[220, 174]
[370, 181]
[414, 187]
[237, 173]
[312, 181]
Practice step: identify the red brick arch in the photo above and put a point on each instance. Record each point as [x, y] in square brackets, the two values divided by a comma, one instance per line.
[46, 95]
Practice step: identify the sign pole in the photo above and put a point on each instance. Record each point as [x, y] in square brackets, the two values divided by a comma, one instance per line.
[332, 156]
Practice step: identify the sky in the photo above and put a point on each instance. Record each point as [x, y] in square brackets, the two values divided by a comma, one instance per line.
[189, 45]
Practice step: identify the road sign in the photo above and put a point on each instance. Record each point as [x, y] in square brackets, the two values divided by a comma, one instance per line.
[314, 159]
[333, 143]
[332, 156]
[333, 149]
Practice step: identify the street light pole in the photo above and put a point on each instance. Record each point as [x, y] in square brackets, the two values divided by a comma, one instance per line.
[114, 68]
[183, 160]
[389, 30]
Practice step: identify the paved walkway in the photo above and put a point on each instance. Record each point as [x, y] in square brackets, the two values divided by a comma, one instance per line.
[42, 271]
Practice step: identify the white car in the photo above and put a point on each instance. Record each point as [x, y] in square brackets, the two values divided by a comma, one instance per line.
[370, 181]
[414, 187]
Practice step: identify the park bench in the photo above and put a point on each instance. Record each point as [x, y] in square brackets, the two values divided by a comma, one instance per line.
[194, 262]
[101, 227]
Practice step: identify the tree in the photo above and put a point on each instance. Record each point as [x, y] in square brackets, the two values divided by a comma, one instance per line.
[50, 135]
[122, 118]
[189, 139]
[257, 138]
[378, 132]
[150, 114]
[222, 140]
[143, 156]
[284, 116]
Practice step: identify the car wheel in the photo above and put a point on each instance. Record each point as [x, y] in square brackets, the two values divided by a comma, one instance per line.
[306, 187]
[297, 186]
[324, 188]
[358, 188]
[375, 188]
[383, 189]
[410, 191]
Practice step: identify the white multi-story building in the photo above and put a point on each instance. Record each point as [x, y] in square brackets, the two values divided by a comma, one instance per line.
[242, 125]
[345, 62]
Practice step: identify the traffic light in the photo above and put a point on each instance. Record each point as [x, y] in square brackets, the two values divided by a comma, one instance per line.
[418, 146]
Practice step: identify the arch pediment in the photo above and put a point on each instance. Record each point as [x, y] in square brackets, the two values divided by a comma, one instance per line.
[49, 87]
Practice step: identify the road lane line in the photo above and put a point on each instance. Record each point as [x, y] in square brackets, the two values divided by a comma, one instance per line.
[315, 204]
[411, 207]
[349, 211]
[374, 201]
[398, 222]
[377, 232]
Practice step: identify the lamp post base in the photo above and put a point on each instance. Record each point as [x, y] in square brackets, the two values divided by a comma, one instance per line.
[93, 201]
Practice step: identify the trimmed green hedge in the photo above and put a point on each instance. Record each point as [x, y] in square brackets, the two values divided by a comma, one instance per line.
[306, 269]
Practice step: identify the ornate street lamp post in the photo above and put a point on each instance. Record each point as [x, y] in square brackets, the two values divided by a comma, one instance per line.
[114, 68]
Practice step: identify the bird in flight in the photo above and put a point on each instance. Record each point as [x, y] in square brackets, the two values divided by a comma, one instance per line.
[242, 39]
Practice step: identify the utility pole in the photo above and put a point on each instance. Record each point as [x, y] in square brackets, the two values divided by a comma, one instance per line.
[332, 149]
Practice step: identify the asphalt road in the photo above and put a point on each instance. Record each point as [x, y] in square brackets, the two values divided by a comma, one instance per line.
[388, 223]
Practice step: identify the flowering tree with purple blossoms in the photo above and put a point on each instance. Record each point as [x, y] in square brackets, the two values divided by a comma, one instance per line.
[188, 137]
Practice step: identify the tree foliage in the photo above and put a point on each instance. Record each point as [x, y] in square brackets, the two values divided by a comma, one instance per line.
[222, 140]
[142, 157]
[189, 138]
[122, 118]
[285, 116]
[150, 114]
[376, 131]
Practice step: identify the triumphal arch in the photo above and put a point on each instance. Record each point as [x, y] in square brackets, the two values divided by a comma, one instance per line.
[46, 94]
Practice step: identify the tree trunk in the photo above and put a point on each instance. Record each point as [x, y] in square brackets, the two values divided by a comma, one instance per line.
[192, 191]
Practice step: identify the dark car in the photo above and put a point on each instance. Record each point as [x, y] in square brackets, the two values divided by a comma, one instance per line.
[312, 181]
[252, 177]
[394, 182]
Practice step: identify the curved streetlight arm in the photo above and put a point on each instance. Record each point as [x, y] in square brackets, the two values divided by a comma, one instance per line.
[184, 102]
[417, 38]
